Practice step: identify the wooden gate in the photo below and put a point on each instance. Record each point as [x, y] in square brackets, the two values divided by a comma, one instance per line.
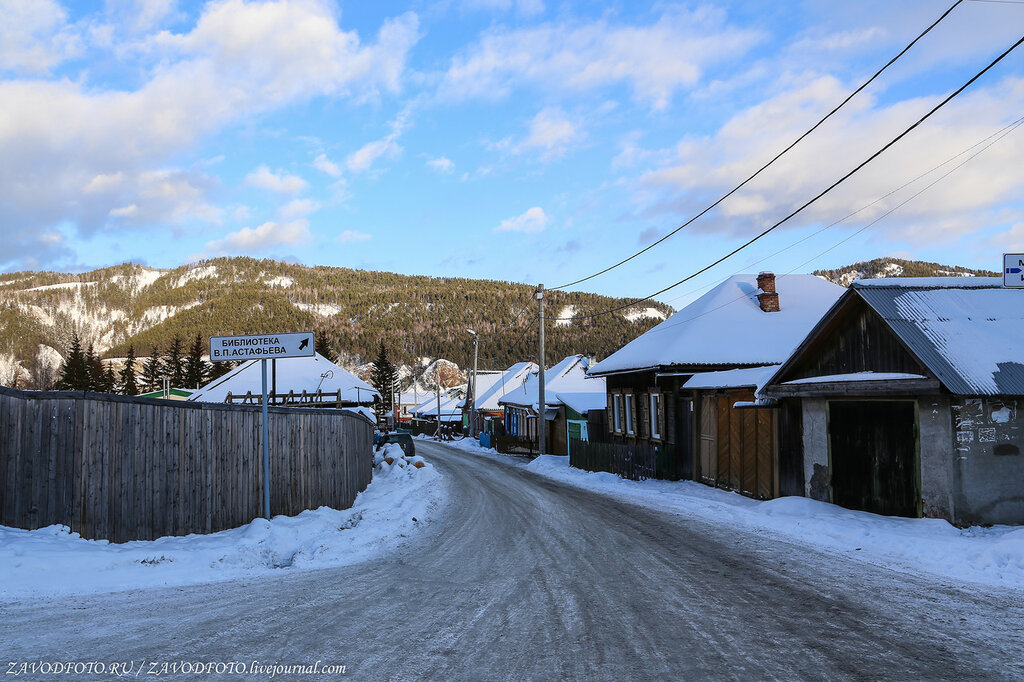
[873, 455]
[708, 449]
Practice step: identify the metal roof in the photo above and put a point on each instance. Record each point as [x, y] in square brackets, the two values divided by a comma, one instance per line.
[970, 336]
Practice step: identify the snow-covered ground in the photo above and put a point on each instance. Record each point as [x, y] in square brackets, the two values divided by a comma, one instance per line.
[54, 561]
[993, 556]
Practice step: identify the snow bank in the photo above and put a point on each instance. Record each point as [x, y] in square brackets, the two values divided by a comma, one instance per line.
[54, 561]
[993, 556]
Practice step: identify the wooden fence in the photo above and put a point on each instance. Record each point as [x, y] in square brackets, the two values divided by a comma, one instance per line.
[123, 468]
[635, 461]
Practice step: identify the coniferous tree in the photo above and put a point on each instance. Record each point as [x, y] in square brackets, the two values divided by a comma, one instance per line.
[324, 344]
[152, 371]
[109, 381]
[95, 366]
[196, 369]
[74, 374]
[174, 365]
[384, 377]
[129, 383]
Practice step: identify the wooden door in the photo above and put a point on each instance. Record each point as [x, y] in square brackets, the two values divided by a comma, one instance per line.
[708, 448]
[873, 455]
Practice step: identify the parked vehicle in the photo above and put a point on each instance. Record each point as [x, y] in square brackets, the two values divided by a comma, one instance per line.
[403, 439]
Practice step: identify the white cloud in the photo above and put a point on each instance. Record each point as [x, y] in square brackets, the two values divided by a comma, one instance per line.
[705, 167]
[263, 178]
[552, 132]
[526, 8]
[240, 59]
[298, 208]
[266, 236]
[532, 221]
[655, 60]
[34, 36]
[363, 158]
[325, 165]
[124, 211]
[442, 164]
[350, 236]
[141, 16]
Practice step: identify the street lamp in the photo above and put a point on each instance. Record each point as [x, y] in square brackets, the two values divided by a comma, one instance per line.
[472, 406]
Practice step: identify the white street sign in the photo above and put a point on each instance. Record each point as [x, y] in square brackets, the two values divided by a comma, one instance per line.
[1013, 270]
[262, 346]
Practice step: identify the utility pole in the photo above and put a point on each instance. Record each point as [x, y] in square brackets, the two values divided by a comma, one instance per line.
[542, 426]
[472, 405]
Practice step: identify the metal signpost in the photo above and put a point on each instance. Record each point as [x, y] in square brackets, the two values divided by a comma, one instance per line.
[263, 347]
[1013, 270]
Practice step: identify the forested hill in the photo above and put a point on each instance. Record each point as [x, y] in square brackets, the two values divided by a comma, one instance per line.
[356, 309]
[897, 267]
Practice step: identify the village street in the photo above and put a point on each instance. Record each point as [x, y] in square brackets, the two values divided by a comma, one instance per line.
[524, 578]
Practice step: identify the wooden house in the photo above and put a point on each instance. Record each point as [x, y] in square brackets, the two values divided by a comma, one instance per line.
[747, 321]
[569, 394]
[909, 394]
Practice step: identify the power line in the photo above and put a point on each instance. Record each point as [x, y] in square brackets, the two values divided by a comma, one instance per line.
[994, 137]
[825, 191]
[998, 137]
[776, 158]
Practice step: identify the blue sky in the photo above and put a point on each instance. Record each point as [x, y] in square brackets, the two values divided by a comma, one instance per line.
[522, 140]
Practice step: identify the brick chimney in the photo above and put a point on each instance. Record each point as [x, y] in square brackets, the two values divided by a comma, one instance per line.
[768, 299]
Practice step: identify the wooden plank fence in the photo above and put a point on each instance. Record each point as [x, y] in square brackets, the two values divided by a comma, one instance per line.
[122, 468]
[634, 461]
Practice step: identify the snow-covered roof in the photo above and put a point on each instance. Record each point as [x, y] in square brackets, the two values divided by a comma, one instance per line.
[567, 378]
[494, 387]
[929, 282]
[970, 338]
[293, 374]
[450, 409]
[726, 326]
[855, 376]
[732, 378]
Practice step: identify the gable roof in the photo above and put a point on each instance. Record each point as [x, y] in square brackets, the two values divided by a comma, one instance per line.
[493, 387]
[967, 331]
[726, 326]
[566, 383]
[293, 374]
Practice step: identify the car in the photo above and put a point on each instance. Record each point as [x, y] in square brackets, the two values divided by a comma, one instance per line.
[403, 439]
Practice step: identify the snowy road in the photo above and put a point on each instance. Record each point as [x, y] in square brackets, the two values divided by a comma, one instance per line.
[525, 578]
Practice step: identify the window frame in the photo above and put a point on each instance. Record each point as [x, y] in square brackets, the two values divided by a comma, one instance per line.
[655, 407]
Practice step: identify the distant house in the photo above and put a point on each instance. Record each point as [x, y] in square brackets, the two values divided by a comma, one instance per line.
[169, 394]
[569, 395]
[745, 322]
[492, 386]
[305, 382]
[448, 406]
[910, 392]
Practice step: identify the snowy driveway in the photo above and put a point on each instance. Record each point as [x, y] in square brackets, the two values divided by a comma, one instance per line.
[528, 579]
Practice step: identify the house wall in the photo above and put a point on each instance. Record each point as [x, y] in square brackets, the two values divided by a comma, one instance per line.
[987, 437]
[816, 477]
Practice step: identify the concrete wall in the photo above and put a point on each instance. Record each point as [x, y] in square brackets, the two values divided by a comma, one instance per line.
[815, 427]
[987, 437]
[935, 432]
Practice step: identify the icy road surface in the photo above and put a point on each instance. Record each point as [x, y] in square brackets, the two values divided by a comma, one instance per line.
[527, 579]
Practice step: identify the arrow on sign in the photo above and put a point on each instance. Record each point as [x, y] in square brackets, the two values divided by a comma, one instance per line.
[305, 342]
[1012, 271]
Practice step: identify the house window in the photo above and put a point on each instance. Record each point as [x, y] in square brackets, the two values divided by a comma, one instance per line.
[629, 413]
[656, 415]
[617, 409]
